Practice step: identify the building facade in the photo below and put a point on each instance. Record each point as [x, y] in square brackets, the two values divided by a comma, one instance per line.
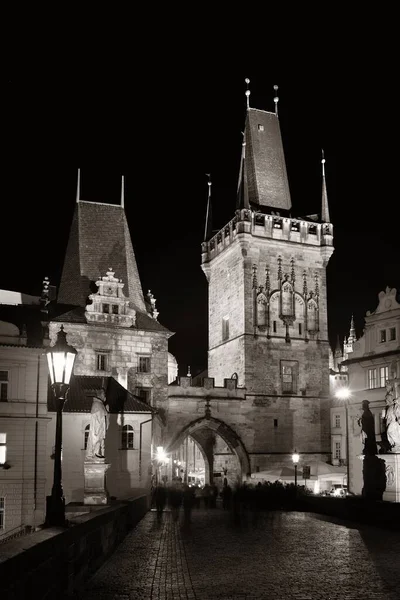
[375, 361]
[23, 431]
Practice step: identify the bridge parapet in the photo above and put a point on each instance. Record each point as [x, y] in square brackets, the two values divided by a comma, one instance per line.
[185, 389]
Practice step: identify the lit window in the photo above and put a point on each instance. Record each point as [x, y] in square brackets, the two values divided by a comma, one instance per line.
[289, 377]
[101, 362]
[337, 420]
[3, 448]
[2, 512]
[225, 328]
[392, 334]
[371, 379]
[337, 450]
[382, 335]
[144, 364]
[383, 376]
[87, 429]
[127, 437]
[3, 386]
[261, 128]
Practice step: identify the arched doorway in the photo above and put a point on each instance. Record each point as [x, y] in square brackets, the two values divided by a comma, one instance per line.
[222, 449]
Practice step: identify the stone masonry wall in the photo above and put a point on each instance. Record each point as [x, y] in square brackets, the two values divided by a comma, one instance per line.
[123, 347]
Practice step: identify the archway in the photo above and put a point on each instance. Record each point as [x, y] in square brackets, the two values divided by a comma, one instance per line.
[200, 430]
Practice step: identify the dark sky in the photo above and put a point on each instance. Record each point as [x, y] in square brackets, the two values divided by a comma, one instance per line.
[164, 130]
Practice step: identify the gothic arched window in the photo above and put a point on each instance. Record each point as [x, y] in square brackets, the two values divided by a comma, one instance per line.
[287, 299]
[127, 436]
[312, 315]
[87, 429]
[261, 310]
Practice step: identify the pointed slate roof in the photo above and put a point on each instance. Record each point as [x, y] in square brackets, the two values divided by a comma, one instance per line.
[263, 179]
[99, 240]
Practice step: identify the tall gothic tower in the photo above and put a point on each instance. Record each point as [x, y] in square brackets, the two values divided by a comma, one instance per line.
[266, 272]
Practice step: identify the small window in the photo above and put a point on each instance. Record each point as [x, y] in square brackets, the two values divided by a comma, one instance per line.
[3, 448]
[300, 329]
[274, 326]
[3, 386]
[383, 376]
[225, 328]
[101, 362]
[87, 429]
[261, 128]
[371, 379]
[289, 377]
[392, 334]
[382, 335]
[2, 512]
[127, 437]
[144, 394]
[115, 309]
[337, 420]
[106, 308]
[337, 450]
[144, 365]
[275, 422]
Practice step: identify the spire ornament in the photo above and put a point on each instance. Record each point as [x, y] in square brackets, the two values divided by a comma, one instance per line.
[276, 99]
[78, 186]
[325, 206]
[247, 93]
[207, 227]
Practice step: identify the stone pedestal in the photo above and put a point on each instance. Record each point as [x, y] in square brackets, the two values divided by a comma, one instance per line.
[95, 490]
[392, 470]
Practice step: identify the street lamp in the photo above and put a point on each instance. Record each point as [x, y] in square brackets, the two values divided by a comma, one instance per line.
[60, 359]
[295, 460]
[343, 393]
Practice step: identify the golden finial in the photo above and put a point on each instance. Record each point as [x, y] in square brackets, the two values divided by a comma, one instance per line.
[323, 163]
[78, 187]
[123, 192]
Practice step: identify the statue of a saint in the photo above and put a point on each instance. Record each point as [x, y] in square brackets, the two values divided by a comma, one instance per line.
[367, 423]
[392, 416]
[98, 426]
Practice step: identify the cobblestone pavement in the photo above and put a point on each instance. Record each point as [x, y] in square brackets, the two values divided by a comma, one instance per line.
[281, 556]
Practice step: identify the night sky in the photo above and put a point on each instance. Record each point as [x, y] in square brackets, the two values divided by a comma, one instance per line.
[164, 133]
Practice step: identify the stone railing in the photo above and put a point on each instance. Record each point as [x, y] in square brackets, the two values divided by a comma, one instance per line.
[271, 226]
[55, 562]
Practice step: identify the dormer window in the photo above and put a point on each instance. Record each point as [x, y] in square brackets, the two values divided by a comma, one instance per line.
[115, 309]
[106, 309]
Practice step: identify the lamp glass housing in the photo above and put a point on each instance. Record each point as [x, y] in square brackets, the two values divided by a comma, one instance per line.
[60, 359]
[295, 457]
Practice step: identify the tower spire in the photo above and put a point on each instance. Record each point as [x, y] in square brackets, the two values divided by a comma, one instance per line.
[352, 335]
[78, 187]
[208, 223]
[247, 92]
[123, 192]
[325, 206]
[276, 99]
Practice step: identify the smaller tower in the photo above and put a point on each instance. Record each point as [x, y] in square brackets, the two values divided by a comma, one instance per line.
[348, 346]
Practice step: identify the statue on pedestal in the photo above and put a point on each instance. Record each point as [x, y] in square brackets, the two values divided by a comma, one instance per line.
[367, 423]
[98, 427]
[392, 415]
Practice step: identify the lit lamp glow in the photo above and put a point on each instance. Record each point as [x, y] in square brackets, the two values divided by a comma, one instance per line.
[60, 360]
[295, 460]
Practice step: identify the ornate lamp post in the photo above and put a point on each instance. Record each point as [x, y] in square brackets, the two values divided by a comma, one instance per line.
[60, 359]
[295, 460]
[343, 393]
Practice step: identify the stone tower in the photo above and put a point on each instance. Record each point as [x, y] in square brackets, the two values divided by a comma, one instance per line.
[266, 272]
